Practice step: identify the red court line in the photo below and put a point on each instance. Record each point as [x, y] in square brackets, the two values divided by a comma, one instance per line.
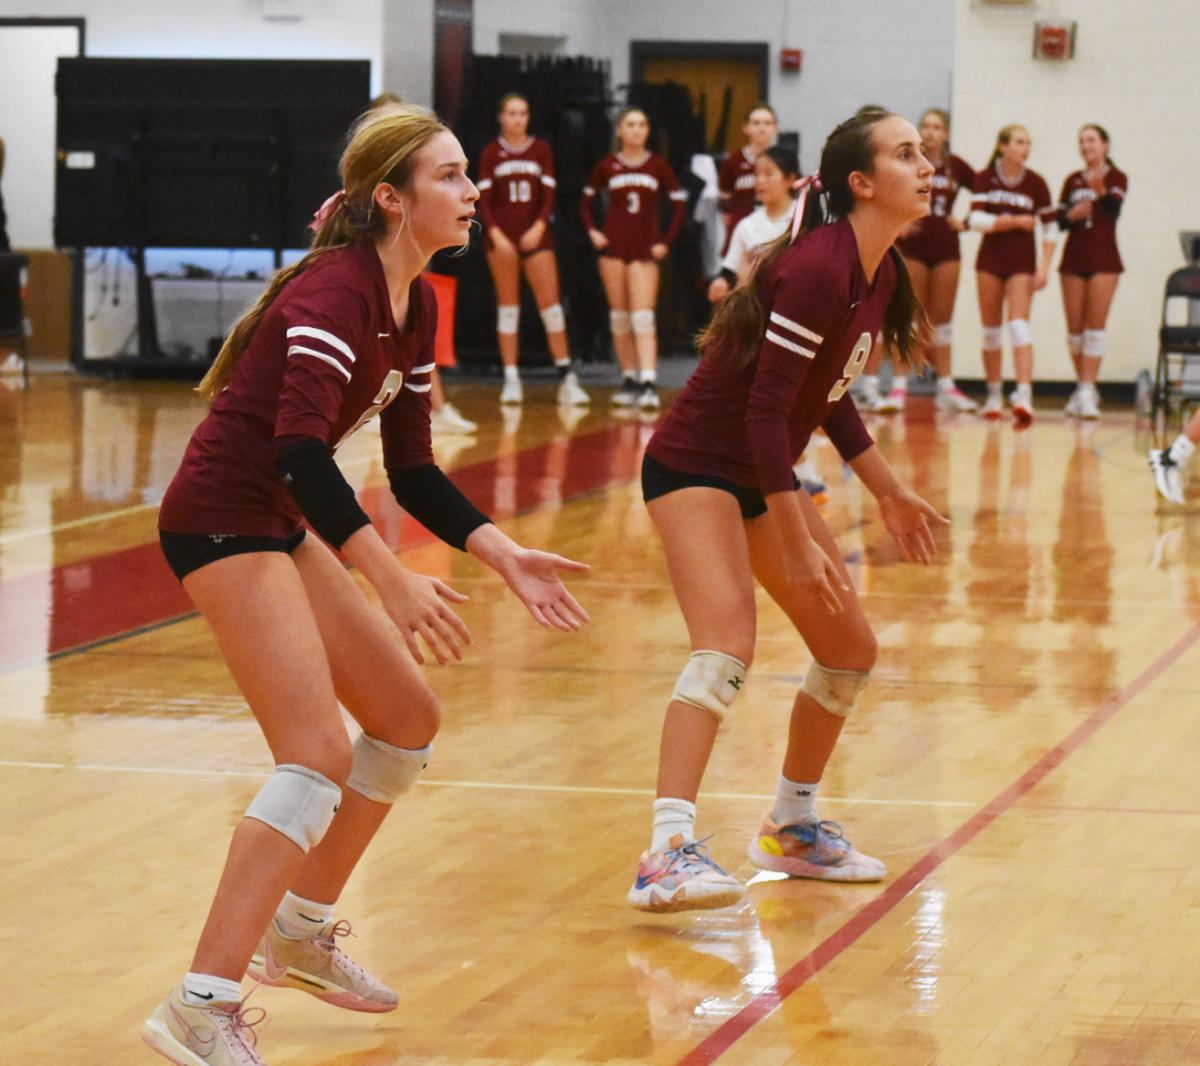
[101, 598]
[731, 1031]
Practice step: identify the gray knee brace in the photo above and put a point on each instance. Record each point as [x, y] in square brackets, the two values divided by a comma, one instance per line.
[835, 690]
[298, 802]
[382, 772]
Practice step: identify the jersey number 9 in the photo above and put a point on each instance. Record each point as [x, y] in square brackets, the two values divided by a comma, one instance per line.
[854, 365]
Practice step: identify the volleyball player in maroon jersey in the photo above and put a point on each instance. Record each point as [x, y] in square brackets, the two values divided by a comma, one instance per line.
[631, 246]
[345, 334]
[735, 178]
[516, 200]
[778, 361]
[1091, 264]
[930, 250]
[1009, 202]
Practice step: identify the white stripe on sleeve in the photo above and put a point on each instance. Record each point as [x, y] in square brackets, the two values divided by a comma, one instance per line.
[547, 180]
[588, 191]
[679, 194]
[775, 338]
[796, 328]
[484, 185]
[297, 348]
[321, 335]
[426, 369]
[417, 388]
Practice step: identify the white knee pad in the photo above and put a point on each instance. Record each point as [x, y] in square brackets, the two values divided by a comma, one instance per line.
[711, 681]
[383, 773]
[1075, 343]
[992, 337]
[1094, 342]
[643, 322]
[298, 802]
[835, 690]
[943, 335]
[553, 318]
[1019, 332]
[508, 317]
[618, 322]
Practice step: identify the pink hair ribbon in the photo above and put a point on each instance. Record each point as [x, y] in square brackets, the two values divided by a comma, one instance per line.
[803, 185]
[326, 211]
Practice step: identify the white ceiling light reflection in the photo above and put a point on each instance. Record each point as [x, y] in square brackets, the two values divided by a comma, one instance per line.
[922, 971]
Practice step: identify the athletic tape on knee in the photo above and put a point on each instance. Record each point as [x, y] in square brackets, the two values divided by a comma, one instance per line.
[1094, 342]
[383, 773]
[992, 336]
[943, 335]
[553, 318]
[1019, 332]
[643, 322]
[508, 318]
[1075, 343]
[618, 321]
[835, 690]
[711, 681]
[298, 802]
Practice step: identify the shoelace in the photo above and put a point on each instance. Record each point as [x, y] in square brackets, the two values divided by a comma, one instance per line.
[243, 1038]
[830, 829]
[339, 957]
[688, 854]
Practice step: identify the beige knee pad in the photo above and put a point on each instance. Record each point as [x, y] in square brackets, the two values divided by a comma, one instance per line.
[835, 690]
[711, 681]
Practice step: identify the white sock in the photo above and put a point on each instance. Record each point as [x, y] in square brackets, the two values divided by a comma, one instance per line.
[511, 374]
[1181, 450]
[795, 803]
[203, 990]
[945, 384]
[563, 362]
[995, 388]
[900, 383]
[672, 817]
[302, 917]
[649, 376]
[1023, 392]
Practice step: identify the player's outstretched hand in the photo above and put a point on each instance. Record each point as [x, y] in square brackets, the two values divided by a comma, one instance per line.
[906, 517]
[420, 606]
[534, 577]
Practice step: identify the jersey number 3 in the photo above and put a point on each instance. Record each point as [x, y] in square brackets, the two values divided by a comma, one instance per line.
[854, 365]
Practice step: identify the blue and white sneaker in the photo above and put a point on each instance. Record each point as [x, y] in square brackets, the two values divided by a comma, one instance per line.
[682, 877]
[820, 850]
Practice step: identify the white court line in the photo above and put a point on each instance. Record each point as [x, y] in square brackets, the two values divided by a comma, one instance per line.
[262, 774]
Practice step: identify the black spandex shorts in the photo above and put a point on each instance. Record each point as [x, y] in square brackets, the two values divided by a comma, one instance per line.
[658, 480]
[186, 552]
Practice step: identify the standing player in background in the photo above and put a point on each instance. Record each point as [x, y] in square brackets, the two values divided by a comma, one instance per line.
[736, 177]
[1091, 264]
[930, 250]
[1009, 203]
[516, 200]
[343, 335]
[778, 361]
[631, 246]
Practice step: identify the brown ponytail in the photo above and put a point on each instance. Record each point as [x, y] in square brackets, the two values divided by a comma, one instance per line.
[738, 324]
[381, 148]
[1003, 137]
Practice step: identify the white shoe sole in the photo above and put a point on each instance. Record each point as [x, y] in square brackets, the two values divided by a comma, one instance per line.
[781, 864]
[701, 898]
[159, 1037]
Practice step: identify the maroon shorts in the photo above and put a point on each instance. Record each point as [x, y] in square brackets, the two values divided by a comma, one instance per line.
[1001, 255]
[932, 244]
[545, 245]
[1084, 262]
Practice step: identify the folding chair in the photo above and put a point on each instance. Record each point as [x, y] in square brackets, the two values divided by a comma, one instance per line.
[1177, 376]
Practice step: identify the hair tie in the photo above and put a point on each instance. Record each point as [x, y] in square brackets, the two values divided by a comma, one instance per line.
[803, 186]
[327, 210]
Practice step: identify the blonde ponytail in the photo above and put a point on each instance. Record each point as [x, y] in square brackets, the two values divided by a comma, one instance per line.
[381, 148]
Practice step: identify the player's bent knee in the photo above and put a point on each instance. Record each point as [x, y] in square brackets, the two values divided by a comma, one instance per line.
[643, 322]
[297, 802]
[711, 681]
[508, 318]
[383, 773]
[553, 318]
[992, 336]
[943, 335]
[837, 691]
[618, 322]
[1019, 332]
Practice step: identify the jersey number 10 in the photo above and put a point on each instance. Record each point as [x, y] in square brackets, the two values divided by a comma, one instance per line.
[519, 192]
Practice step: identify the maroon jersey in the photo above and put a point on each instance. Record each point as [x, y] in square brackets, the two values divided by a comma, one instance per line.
[930, 240]
[1092, 242]
[516, 186]
[326, 357]
[735, 180]
[749, 424]
[1013, 251]
[634, 197]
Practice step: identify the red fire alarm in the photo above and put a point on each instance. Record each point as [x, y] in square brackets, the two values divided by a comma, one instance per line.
[790, 60]
[1053, 40]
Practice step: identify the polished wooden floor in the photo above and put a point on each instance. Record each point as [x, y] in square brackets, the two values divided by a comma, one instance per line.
[1025, 761]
